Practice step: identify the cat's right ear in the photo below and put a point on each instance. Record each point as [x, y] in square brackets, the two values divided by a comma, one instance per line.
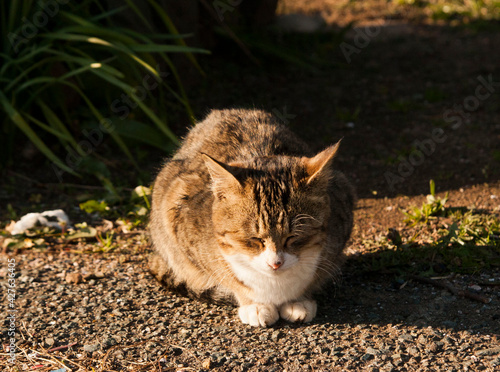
[222, 179]
[319, 167]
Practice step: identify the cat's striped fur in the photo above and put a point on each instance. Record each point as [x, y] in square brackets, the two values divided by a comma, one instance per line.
[246, 212]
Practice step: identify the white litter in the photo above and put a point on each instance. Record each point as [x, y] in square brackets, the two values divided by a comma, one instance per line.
[56, 218]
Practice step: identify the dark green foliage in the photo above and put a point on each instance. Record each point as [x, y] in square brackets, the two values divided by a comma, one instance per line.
[67, 68]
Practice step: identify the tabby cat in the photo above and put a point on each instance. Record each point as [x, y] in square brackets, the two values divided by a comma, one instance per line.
[244, 211]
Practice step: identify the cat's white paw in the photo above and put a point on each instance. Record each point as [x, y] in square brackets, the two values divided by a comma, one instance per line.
[258, 314]
[299, 311]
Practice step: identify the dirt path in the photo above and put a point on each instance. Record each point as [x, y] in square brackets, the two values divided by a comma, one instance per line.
[105, 312]
[413, 83]
[119, 318]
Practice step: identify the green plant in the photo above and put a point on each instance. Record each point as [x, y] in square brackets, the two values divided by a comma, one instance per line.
[452, 9]
[92, 206]
[106, 242]
[53, 55]
[472, 229]
[433, 206]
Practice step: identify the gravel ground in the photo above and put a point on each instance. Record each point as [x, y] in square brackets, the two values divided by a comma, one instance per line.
[118, 318]
[105, 312]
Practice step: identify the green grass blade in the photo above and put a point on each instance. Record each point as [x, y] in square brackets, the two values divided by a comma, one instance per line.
[160, 124]
[116, 137]
[24, 73]
[26, 57]
[54, 120]
[171, 27]
[46, 127]
[157, 36]
[51, 80]
[27, 7]
[184, 100]
[89, 61]
[130, 91]
[155, 48]
[144, 133]
[432, 187]
[13, 15]
[99, 41]
[36, 81]
[90, 29]
[108, 14]
[16, 117]
[139, 14]
[48, 79]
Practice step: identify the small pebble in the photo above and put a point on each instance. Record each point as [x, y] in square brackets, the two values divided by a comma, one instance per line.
[90, 348]
[207, 363]
[74, 278]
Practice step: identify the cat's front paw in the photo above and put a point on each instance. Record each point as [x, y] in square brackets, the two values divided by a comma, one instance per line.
[299, 311]
[258, 314]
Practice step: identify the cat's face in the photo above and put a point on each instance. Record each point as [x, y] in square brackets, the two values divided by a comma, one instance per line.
[271, 216]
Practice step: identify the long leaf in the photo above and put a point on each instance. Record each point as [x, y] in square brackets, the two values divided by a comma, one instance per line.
[24, 72]
[50, 79]
[99, 41]
[21, 123]
[54, 120]
[127, 88]
[139, 14]
[85, 27]
[109, 13]
[155, 36]
[155, 48]
[144, 133]
[177, 78]
[13, 15]
[88, 61]
[36, 81]
[116, 137]
[26, 57]
[171, 27]
[46, 127]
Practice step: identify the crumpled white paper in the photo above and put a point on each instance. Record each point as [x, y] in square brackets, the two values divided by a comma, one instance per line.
[40, 219]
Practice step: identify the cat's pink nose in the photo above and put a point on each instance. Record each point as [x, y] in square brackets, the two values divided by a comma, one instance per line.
[275, 265]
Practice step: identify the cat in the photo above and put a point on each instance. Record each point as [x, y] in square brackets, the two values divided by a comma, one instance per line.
[245, 212]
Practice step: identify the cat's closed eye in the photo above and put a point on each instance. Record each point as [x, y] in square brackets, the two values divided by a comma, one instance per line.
[257, 243]
[291, 241]
[297, 242]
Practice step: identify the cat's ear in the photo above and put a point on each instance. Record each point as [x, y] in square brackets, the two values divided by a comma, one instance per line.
[222, 178]
[319, 167]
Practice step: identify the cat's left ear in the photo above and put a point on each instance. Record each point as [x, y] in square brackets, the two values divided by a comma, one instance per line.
[319, 167]
[222, 178]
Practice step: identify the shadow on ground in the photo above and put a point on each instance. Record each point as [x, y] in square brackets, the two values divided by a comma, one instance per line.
[412, 103]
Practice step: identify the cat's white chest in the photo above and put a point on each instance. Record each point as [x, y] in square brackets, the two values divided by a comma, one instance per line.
[288, 283]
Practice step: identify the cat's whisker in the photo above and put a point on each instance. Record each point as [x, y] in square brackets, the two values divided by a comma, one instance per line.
[220, 274]
[301, 217]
